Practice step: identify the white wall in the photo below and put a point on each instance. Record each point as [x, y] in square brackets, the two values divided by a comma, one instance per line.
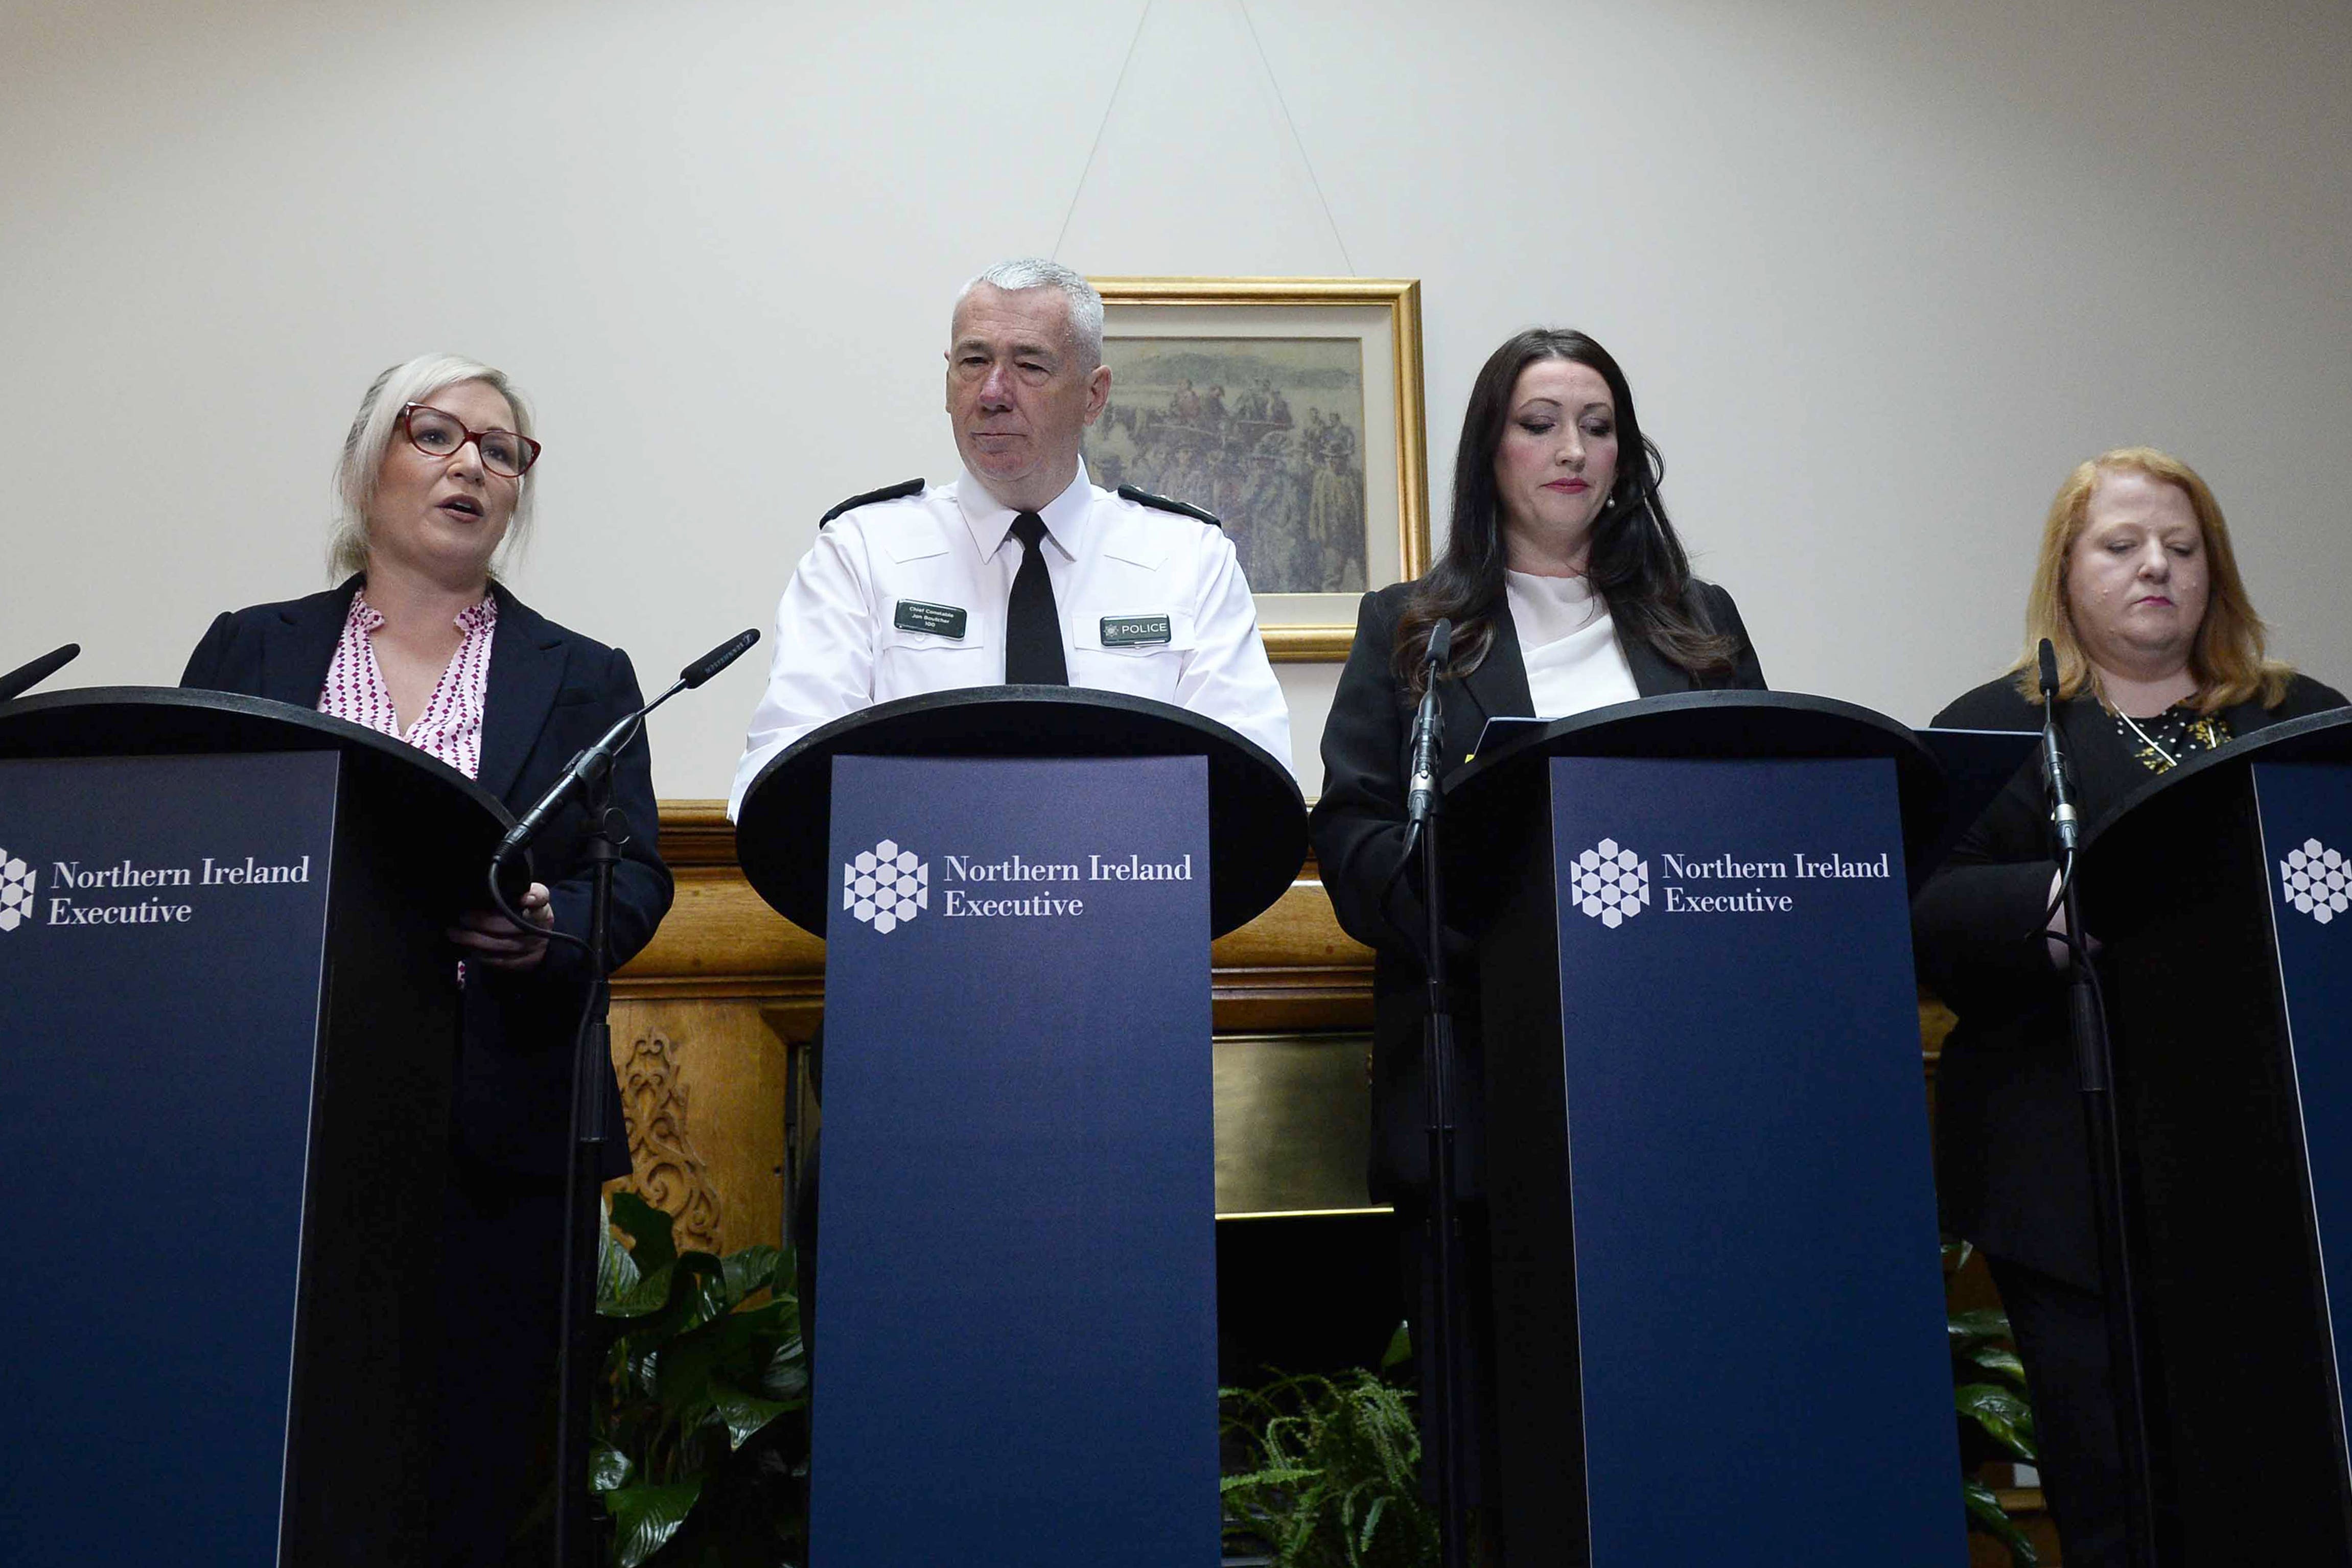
[1880, 274]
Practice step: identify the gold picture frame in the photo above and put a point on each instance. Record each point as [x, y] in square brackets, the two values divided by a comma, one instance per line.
[1370, 476]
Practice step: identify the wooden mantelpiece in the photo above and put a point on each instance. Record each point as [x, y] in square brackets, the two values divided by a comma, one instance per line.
[701, 1017]
[1290, 968]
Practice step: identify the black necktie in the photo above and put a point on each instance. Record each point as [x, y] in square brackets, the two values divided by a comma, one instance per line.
[1032, 632]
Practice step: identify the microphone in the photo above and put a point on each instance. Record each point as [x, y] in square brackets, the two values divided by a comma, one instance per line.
[718, 659]
[597, 760]
[2053, 763]
[1421, 791]
[24, 677]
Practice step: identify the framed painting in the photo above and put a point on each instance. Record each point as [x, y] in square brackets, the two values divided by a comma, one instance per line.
[1291, 408]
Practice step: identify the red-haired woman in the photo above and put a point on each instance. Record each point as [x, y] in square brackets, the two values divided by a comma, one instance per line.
[2159, 658]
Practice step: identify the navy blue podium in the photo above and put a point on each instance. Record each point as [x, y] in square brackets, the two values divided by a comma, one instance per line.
[2222, 894]
[1017, 887]
[1711, 1196]
[231, 1021]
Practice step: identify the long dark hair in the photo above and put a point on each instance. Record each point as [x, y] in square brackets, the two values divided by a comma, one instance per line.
[1637, 564]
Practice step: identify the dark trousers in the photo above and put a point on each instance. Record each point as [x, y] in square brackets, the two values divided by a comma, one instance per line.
[1479, 1444]
[2061, 1336]
[501, 1308]
[800, 1222]
[803, 1234]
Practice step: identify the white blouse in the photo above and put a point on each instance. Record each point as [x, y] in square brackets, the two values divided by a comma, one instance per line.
[1569, 644]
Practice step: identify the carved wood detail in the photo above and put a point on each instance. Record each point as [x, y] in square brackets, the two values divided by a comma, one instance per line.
[670, 1174]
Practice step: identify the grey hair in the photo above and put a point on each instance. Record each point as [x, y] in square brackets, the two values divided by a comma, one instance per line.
[1036, 272]
[372, 430]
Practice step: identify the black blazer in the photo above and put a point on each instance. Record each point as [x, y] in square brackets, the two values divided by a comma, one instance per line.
[2012, 1168]
[1357, 827]
[552, 693]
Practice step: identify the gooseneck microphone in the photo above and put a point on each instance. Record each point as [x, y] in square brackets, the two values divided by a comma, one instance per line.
[24, 677]
[590, 774]
[716, 660]
[597, 760]
[1420, 789]
[2062, 823]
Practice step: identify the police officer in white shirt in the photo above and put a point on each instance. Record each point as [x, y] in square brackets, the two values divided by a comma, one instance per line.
[1020, 570]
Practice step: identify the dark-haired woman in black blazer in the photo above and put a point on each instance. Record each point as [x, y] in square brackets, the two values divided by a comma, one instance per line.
[1569, 591]
[420, 643]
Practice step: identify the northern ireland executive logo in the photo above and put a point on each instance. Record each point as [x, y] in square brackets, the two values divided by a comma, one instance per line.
[16, 880]
[886, 886]
[1612, 885]
[2317, 881]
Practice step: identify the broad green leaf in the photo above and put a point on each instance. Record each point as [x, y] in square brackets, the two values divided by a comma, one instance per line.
[1985, 1323]
[608, 1468]
[688, 1363]
[645, 1518]
[616, 1271]
[1986, 1514]
[681, 1304]
[745, 1414]
[1956, 1253]
[2005, 1417]
[785, 1377]
[2000, 1360]
[647, 1228]
[752, 1271]
[638, 1297]
[1400, 1350]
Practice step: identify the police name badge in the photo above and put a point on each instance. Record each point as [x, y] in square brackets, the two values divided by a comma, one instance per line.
[1135, 631]
[938, 620]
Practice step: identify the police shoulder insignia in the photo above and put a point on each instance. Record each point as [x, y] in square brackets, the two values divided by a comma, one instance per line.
[904, 487]
[1146, 498]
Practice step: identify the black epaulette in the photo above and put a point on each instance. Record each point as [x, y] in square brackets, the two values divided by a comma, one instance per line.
[1146, 498]
[886, 493]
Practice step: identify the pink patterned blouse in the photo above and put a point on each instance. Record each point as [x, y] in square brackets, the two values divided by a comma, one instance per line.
[450, 727]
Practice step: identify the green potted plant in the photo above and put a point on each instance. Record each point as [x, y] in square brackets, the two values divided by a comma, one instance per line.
[693, 1459]
[1329, 1472]
[1996, 1418]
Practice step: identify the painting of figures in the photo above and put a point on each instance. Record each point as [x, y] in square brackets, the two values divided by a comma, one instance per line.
[1266, 433]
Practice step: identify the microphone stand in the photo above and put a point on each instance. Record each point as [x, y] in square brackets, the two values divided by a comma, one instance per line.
[590, 774]
[2095, 1071]
[584, 1182]
[1444, 1242]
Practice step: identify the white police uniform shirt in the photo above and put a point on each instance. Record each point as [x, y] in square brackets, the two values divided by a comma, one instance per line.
[843, 640]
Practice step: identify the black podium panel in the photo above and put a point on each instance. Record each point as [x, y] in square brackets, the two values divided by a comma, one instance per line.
[233, 1020]
[1017, 887]
[2227, 1008]
[1711, 1205]
[1018, 1334]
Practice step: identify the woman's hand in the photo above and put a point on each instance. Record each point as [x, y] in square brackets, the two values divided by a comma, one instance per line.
[493, 939]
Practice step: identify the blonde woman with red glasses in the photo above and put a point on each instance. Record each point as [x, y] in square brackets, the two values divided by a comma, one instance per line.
[422, 642]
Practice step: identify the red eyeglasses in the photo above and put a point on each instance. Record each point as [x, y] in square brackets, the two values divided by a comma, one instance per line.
[438, 434]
